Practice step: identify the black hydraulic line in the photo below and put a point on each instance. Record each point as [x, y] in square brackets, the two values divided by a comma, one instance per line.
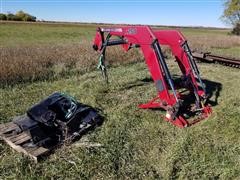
[190, 56]
[163, 64]
[195, 70]
[116, 42]
[193, 63]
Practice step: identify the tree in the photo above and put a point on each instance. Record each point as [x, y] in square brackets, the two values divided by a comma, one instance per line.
[10, 17]
[21, 14]
[236, 29]
[25, 16]
[3, 16]
[29, 18]
[231, 14]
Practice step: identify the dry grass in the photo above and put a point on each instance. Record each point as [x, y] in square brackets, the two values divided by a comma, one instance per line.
[205, 42]
[29, 63]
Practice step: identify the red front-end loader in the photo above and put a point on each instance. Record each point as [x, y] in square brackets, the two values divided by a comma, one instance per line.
[168, 97]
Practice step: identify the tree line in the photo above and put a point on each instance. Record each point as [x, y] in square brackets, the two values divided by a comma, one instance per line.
[19, 16]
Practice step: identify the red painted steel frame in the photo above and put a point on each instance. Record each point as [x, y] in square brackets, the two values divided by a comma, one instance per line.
[144, 37]
[175, 39]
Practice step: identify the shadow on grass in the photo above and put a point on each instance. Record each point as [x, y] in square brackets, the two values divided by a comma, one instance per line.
[137, 83]
[213, 89]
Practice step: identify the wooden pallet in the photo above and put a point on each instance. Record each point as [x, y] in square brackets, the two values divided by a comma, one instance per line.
[19, 141]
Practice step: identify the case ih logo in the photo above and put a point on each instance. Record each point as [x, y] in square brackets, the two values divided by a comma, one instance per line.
[132, 31]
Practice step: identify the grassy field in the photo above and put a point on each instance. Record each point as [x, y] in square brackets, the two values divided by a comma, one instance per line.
[136, 144]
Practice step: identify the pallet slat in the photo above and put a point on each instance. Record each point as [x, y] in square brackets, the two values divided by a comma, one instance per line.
[31, 149]
[18, 137]
[39, 151]
[8, 128]
[1, 126]
[20, 141]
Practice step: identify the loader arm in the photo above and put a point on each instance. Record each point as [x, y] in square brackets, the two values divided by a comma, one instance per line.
[148, 41]
[180, 49]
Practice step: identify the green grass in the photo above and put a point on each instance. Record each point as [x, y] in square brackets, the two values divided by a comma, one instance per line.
[231, 51]
[136, 143]
[12, 34]
[43, 33]
[204, 31]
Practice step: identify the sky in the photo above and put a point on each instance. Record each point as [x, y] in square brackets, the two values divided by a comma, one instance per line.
[153, 12]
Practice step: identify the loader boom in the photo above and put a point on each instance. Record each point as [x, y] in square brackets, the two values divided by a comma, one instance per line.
[149, 41]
